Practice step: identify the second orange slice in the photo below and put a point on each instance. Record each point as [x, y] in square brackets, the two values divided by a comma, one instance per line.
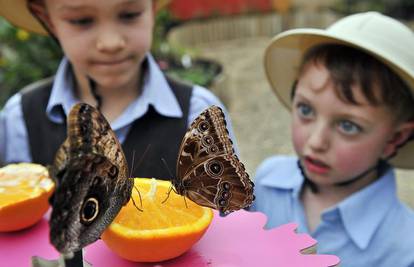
[163, 230]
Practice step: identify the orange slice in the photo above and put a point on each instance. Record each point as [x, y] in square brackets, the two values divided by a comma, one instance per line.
[162, 230]
[24, 192]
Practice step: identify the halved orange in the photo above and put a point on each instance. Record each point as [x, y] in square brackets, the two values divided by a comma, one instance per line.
[161, 231]
[24, 192]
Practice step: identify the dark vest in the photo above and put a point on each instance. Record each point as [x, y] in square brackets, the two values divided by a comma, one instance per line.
[161, 135]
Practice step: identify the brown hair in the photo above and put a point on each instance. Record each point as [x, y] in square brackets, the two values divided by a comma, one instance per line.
[350, 66]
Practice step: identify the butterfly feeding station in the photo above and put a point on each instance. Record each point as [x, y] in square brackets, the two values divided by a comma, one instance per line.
[235, 240]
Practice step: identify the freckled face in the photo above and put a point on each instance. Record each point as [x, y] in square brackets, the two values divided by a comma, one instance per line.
[334, 140]
[104, 39]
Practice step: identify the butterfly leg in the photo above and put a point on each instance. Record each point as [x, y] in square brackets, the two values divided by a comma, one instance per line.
[168, 194]
[140, 200]
[185, 201]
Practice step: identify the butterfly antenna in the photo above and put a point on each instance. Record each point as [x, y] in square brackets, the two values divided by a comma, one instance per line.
[140, 200]
[133, 162]
[172, 177]
[98, 98]
[140, 160]
[168, 169]
[131, 171]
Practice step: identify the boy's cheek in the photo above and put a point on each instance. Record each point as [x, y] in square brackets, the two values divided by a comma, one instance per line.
[352, 160]
[298, 138]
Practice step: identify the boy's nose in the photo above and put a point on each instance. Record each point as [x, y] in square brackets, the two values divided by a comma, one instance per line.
[319, 138]
[110, 41]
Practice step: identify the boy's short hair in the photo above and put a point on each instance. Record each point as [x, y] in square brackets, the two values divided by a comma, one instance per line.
[349, 66]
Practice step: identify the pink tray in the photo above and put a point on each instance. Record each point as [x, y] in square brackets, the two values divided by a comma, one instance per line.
[235, 240]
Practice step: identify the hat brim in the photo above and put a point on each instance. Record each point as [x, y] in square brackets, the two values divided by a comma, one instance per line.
[17, 13]
[283, 57]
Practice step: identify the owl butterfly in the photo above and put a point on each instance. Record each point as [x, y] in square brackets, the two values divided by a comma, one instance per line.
[208, 171]
[92, 181]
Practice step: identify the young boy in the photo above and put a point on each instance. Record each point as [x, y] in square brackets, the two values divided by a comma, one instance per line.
[350, 90]
[108, 42]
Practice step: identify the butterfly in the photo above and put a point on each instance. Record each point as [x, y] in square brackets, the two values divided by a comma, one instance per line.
[208, 170]
[92, 181]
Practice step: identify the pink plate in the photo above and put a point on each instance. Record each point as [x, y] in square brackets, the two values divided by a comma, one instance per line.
[235, 240]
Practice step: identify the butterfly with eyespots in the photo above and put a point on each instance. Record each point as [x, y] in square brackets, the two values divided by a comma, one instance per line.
[208, 170]
[92, 181]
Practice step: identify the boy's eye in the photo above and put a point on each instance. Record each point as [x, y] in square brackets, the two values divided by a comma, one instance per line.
[349, 127]
[129, 15]
[304, 110]
[81, 21]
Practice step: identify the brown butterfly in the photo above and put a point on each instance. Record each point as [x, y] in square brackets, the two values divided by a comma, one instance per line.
[92, 181]
[208, 171]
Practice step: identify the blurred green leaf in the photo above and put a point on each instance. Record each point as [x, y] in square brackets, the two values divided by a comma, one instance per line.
[24, 58]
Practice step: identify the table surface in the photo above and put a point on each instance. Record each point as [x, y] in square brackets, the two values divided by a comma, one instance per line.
[235, 240]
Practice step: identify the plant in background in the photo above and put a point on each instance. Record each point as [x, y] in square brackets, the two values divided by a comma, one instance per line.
[24, 58]
[167, 55]
[399, 9]
[178, 62]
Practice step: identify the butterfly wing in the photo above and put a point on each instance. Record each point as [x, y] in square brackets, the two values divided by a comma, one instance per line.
[86, 201]
[60, 162]
[206, 137]
[221, 183]
[208, 171]
[88, 130]
[93, 180]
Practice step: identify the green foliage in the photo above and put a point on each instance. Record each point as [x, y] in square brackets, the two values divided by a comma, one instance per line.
[200, 72]
[161, 49]
[171, 57]
[24, 58]
[162, 22]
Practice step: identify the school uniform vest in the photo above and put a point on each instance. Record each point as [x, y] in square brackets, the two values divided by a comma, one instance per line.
[163, 134]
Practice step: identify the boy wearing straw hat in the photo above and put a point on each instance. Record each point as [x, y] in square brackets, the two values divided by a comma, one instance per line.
[106, 44]
[350, 91]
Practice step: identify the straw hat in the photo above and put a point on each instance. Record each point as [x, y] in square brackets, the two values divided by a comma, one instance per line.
[17, 13]
[383, 37]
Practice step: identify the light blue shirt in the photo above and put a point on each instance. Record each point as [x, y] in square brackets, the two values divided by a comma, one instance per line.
[14, 146]
[369, 228]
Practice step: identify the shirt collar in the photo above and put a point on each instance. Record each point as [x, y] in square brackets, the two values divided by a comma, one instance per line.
[360, 224]
[294, 182]
[62, 94]
[155, 92]
[159, 92]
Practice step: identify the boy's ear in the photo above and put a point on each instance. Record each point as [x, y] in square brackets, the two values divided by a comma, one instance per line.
[401, 136]
[39, 10]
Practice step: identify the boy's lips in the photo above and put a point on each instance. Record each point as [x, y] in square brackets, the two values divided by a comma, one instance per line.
[315, 165]
[110, 63]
